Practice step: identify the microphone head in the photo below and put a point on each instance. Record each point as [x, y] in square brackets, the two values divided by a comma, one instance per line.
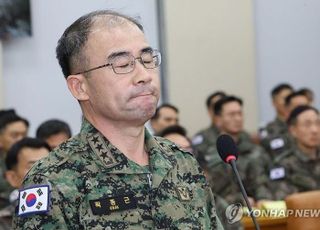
[227, 149]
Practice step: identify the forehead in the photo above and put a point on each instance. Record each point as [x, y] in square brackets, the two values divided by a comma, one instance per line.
[299, 98]
[29, 153]
[115, 35]
[167, 111]
[178, 139]
[16, 126]
[231, 106]
[283, 93]
[308, 115]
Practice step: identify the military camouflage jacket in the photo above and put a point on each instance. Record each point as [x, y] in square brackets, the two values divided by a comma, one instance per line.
[204, 141]
[5, 187]
[94, 186]
[294, 171]
[275, 138]
[252, 164]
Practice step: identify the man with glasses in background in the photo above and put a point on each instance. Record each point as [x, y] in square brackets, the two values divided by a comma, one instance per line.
[114, 174]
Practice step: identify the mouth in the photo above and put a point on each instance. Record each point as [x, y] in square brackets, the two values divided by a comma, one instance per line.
[145, 94]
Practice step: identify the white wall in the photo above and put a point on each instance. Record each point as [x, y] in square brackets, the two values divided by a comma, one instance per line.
[33, 81]
[210, 46]
[1, 78]
[287, 46]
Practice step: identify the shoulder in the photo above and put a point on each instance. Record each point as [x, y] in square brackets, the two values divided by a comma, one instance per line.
[170, 148]
[208, 135]
[67, 158]
[176, 154]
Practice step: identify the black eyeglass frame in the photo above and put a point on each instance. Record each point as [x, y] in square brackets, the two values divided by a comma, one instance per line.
[155, 53]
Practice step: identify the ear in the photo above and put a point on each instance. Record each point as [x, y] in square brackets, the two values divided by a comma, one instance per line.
[210, 112]
[218, 121]
[12, 178]
[78, 87]
[292, 130]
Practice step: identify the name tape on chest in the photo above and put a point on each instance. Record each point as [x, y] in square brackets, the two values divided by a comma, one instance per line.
[263, 133]
[197, 140]
[33, 200]
[277, 143]
[113, 204]
[277, 173]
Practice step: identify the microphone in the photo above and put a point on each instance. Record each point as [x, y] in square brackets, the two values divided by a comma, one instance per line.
[228, 152]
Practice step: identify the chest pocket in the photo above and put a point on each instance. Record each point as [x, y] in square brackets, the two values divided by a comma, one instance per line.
[114, 202]
[118, 212]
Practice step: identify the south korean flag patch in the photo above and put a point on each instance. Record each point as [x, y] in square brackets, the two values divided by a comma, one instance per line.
[34, 200]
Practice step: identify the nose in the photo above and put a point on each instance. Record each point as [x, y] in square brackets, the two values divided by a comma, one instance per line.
[142, 75]
[315, 129]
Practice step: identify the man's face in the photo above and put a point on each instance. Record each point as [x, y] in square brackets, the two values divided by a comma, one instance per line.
[307, 129]
[279, 102]
[54, 140]
[26, 158]
[131, 97]
[167, 117]
[297, 101]
[12, 133]
[231, 118]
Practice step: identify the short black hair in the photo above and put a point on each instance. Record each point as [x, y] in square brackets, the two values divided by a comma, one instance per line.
[213, 95]
[9, 116]
[70, 46]
[227, 99]
[308, 93]
[12, 156]
[166, 105]
[278, 88]
[7, 111]
[174, 129]
[294, 94]
[292, 119]
[52, 127]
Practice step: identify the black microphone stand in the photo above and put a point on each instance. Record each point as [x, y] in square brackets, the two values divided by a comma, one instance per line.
[244, 193]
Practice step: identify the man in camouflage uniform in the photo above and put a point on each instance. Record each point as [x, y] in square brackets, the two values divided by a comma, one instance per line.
[114, 174]
[298, 169]
[166, 115]
[205, 139]
[12, 129]
[19, 159]
[296, 99]
[274, 137]
[230, 120]
[178, 135]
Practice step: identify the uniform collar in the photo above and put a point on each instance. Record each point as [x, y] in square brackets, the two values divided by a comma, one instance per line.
[114, 161]
[282, 124]
[244, 145]
[304, 157]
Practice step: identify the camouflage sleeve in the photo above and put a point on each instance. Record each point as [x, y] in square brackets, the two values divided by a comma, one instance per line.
[55, 218]
[215, 222]
[258, 177]
[214, 217]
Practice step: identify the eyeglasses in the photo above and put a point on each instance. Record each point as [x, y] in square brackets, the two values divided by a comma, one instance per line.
[125, 63]
[309, 124]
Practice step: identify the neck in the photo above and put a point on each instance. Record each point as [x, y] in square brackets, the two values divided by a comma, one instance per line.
[129, 139]
[281, 117]
[235, 137]
[309, 151]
